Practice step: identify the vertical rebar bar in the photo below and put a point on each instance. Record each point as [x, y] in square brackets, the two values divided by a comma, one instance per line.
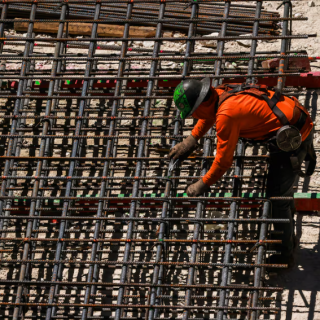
[11, 149]
[226, 272]
[158, 270]
[284, 46]
[75, 145]
[200, 205]
[4, 13]
[33, 223]
[138, 169]
[234, 207]
[18, 148]
[94, 269]
[48, 149]
[259, 259]
[254, 43]
[17, 106]
[220, 46]
[263, 230]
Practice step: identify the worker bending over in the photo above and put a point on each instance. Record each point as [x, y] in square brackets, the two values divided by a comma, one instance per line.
[255, 113]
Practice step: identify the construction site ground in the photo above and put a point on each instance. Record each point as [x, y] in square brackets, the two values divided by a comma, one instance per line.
[301, 297]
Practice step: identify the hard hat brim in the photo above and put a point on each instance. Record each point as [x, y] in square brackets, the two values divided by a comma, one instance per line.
[206, 84]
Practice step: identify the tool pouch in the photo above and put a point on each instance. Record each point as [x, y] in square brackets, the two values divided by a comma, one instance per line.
[288, 138]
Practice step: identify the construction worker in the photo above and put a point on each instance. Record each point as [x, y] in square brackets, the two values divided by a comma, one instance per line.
[255, 113]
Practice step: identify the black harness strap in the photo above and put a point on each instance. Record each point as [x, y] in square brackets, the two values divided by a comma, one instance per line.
[272, 103]
[241, 87]
[301, 121]
[275, 99]
[236, 88]
[280, 115]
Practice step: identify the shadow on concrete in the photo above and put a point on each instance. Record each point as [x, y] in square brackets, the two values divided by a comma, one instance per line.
[303, 278]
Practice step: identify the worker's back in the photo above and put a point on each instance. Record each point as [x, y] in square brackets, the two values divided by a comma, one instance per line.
[242, 115]
[250, 116]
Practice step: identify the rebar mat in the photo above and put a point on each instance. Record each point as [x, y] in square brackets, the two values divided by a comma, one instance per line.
[93, 225]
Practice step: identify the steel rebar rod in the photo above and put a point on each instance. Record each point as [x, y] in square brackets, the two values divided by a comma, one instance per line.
[12, 142]
[171, 20]
[31, 224]
[239, 220]
[142, 285]
[93, 271]
[284, 47]
[260, 258]
[231, 226]
[147, 58]
[72, 164]
[18, 104]
[139, 163]
[225, 38]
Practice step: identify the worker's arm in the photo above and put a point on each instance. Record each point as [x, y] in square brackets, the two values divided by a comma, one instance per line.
[202, 127]
[227, 136]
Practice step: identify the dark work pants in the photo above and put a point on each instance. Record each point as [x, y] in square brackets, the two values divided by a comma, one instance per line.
[281, 178]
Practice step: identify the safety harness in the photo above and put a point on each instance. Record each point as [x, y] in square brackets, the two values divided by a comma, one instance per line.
[288, 137]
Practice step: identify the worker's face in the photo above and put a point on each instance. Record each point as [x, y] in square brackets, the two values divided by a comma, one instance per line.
[206, 110]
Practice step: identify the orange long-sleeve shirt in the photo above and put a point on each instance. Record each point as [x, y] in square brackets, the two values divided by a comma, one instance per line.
[242, 116]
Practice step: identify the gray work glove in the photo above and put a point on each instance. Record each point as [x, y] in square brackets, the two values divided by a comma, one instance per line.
[183, 149]
[197, 189]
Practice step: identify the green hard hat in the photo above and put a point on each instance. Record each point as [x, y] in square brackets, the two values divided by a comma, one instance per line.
[189, 94]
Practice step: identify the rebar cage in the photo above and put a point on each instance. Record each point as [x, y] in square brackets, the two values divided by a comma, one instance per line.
[93, 224]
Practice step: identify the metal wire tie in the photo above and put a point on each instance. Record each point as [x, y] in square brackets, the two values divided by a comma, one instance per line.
[256, 245]
[174, 120]
[283, 2]
[189, 5]
[44, 118]
[59, 6]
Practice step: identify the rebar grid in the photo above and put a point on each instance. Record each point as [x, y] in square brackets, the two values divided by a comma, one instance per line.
[93, 225]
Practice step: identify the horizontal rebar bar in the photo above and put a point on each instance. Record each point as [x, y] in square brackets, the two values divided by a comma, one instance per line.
[142, 285]
[184, 264]
[39, 304]
[191, 220]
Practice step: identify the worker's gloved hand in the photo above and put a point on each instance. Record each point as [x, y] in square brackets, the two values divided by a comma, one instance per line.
[198, 188]
[183, 149]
